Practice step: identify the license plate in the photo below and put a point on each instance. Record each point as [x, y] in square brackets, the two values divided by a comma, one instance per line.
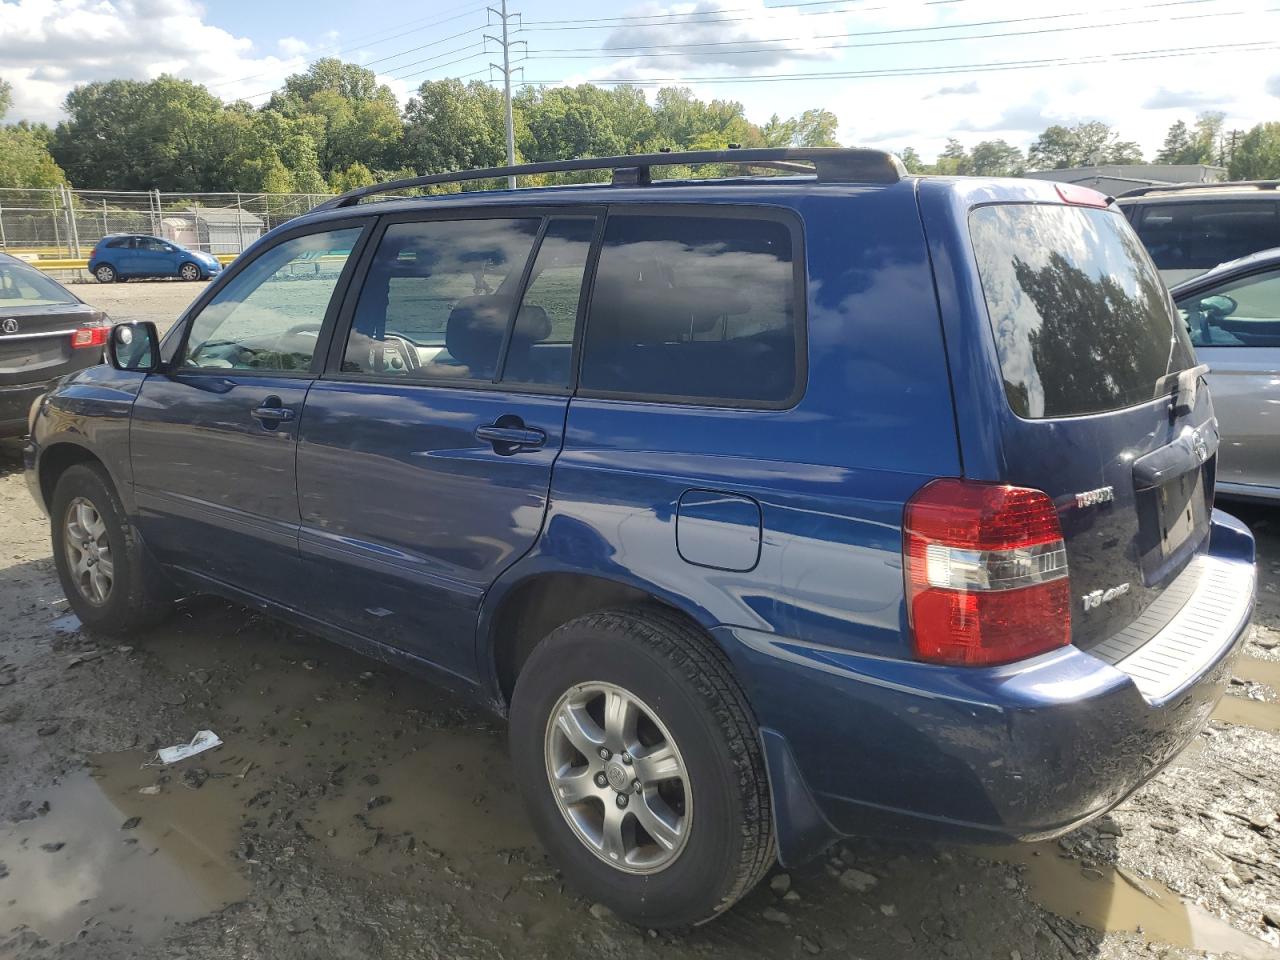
[1183, 512]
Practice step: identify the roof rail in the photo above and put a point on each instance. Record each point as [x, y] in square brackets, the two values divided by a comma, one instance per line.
[829, 165]
[1221, 185]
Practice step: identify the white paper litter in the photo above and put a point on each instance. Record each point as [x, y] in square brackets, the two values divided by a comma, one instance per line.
[202, 741]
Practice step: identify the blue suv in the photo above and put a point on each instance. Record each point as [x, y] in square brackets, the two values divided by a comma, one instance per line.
[122, 256]
[769, 508]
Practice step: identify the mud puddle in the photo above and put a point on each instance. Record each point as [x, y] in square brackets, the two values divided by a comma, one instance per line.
[103, 853]
[1109, 900]
[1259, 714]
[1259, 671]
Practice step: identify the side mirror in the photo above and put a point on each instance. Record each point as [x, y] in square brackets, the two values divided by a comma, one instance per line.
[135, 347]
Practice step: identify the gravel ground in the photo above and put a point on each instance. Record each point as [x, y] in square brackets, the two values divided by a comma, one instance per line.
[353, 811]
[160, 301]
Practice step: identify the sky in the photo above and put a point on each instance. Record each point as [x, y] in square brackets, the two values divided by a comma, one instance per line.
[897, 73]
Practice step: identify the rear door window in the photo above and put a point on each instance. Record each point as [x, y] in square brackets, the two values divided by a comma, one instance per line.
[695, 309]
[1201, 235]
[437, 299]
[1082, 323]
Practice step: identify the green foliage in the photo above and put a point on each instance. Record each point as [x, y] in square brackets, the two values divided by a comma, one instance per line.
[1257, 154]
[813, 128]
[452, 126]
[354, 176]
[1202, 144]
[6, 97]
[1080, 145]
[25, 159]
[996, 158]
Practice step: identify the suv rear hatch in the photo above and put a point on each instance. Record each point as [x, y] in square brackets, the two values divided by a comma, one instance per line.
[1105, 411]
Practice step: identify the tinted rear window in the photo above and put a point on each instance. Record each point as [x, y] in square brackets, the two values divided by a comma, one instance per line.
[1199, 236]
[696, 308]
[1081, 320]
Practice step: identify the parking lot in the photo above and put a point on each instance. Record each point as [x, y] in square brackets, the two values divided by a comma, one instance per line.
[353, 811]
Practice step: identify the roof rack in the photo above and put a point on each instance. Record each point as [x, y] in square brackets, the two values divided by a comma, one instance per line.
[828, 165]
[1221, 185]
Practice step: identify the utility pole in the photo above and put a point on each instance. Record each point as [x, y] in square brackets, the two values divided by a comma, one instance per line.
[506, 43]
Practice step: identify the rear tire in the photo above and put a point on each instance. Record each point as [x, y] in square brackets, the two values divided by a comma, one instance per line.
[105, 273]
[189, 271]
[718, 835]
[109, 579]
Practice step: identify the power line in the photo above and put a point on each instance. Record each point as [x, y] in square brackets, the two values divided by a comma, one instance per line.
[942, 70]
[684, 17]
[553, 54]
[395, 36]
[887, 32]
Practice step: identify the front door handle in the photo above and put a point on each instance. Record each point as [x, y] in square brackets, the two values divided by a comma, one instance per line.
[272, 413]
[508, 439]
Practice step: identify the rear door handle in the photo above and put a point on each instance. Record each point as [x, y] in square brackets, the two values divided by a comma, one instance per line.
[522, 437]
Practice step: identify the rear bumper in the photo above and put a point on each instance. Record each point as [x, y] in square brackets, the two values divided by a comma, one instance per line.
[857, 745]
[15, 404]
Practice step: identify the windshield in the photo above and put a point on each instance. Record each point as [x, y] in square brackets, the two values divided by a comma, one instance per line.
[27, 286]
[1082, 322]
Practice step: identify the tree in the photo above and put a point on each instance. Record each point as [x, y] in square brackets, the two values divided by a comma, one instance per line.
[452, 126]
[136, 135]
[912, 161]
[813, 128]
[954, 160]
[1208, 137]
[1201, 145]
[25, 159]
[355, 118]
[356, 175]
[1257, 154]
[1177, 144]
[1082, 144]
[996, 158]
[6, 97]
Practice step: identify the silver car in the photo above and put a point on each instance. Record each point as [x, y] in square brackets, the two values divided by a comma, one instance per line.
[1233, 313]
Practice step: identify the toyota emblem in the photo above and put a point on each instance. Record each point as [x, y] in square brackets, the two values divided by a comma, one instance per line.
[1200, 447]
[9, 325]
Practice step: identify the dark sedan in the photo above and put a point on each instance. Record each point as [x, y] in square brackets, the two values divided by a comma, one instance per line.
[46, 331]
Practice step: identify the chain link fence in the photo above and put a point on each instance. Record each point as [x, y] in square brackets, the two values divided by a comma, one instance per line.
[63, 223]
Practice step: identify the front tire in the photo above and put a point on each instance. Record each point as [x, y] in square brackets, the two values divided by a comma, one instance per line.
[674, 825]
[189, 271]
[110, 581]
[105, 273]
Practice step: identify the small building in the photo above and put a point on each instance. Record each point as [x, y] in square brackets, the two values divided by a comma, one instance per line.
[213, 229]
[1114, 179]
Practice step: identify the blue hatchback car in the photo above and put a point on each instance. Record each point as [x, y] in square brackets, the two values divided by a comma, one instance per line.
[124, 256]
[769, 509]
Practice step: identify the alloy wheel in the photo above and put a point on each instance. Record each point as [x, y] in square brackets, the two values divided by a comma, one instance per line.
[88, 551]
[618, 777]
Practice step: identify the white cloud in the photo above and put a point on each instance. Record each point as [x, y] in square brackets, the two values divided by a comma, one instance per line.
[49, 46]
[292, 46]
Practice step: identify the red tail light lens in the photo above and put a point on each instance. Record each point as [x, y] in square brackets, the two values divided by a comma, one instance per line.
[986, 573]
[90, 337]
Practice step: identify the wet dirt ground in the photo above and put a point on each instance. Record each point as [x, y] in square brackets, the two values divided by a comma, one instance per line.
[355, 812]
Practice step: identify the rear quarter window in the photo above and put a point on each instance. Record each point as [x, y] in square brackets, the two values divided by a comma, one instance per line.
[697, 309]
[1081, 320]
[1190, 235]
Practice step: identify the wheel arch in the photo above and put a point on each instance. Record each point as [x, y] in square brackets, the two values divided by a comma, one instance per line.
[56, 459]
[523, 609]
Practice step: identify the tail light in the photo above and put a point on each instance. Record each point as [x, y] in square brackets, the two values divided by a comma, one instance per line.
[90, 336]
[986, 573]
